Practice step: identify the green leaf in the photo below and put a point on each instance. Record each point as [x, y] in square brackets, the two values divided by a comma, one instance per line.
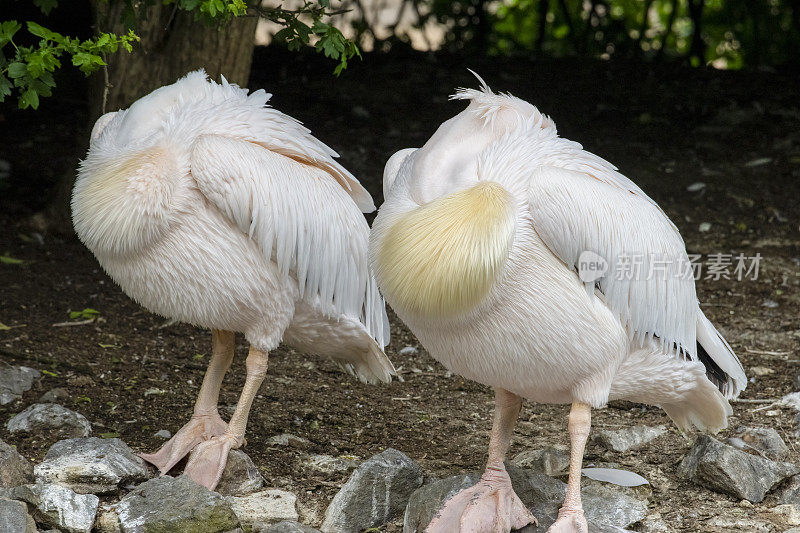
[7, 31]
[87, 62]
[17, 69]
[42, 32]
[46, 5]
[283, 34]
[109, 435]
[8, 260]
[86, 314]
[35, 65]
[48, 373]
[29, 98]
[5, 87]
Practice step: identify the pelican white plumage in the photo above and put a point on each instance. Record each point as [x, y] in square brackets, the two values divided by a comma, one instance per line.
[497, 245]
[209, 207]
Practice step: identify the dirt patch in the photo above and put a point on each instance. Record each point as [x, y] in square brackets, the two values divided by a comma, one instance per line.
[132, 374]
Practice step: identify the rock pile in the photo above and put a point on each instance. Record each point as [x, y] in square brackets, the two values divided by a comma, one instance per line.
[91, 484]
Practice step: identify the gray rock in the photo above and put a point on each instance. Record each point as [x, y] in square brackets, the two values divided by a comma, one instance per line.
[60, 507]
[107, 520]
[174, 504]
[14, 517]
[723, 468]
[612, 506]
[311, 510]
[91, 465]
[328, 464]
[789, 512]
[765, 441]
[57, 395]
[734, 523]
[50, 419]
[630, 438]
[553, 460]
[14, 469]
[14, 380]
[607, 507]
[377, 491]
[261, 509]
[240, 476]
[289, 526]
[790, 492]
[162, 434]
[654, 523]
[428, 499]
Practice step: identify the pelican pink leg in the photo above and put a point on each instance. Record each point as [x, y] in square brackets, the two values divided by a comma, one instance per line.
[206, 422]
[491, 505]
[570, 517]
[209, 458]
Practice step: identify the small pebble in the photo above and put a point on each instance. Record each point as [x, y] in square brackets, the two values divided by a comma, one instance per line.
[163, 433]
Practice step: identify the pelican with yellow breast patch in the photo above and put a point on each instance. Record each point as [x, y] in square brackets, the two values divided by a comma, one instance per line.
[442, 258]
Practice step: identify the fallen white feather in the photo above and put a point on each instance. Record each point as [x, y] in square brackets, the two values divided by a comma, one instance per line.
[623, 478]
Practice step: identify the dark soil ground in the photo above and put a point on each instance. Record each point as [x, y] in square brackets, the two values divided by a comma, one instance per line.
[666, 127]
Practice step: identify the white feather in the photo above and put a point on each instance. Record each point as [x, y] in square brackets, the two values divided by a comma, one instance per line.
[541, 332]
[209, 207]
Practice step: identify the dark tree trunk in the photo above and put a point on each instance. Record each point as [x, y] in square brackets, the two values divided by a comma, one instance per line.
[544, 7]
[637, 44]
[173, 43]
[668, 31]
[577, 41]
[482, 26]
[698, 47]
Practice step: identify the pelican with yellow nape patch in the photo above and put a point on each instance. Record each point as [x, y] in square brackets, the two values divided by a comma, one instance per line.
[495, 245]
[210, 207]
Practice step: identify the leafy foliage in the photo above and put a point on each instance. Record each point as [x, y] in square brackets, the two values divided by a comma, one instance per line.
[297, 33]
[724, 33]
[27, 71]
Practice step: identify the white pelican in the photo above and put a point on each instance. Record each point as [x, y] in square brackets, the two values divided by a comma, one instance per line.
[209, 207]
[498, 244]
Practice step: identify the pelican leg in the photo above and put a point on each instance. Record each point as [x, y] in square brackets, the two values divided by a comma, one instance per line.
[208, 459]
[205, 422]
[570, 517]
[491, 505]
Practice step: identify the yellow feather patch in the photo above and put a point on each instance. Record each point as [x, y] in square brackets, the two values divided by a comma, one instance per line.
[441, 259]
[121, 205]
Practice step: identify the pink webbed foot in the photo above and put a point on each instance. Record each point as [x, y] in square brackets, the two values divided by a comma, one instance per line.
[569, 521]
[490, 506]
[207, 461]
[200, 428]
